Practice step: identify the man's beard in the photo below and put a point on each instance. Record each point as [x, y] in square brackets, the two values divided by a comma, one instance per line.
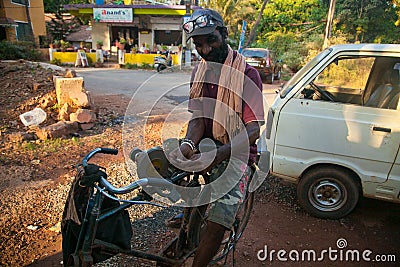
[218, 55]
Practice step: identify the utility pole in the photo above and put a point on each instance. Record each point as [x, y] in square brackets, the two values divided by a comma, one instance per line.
[329, 21]
[186, 53]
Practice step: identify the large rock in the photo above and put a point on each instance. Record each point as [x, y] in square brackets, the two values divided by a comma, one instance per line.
[64, 113]
[80, 99]
[70, 74]
[86, 126]
[71, 91]
[57, 130]
[83, 116]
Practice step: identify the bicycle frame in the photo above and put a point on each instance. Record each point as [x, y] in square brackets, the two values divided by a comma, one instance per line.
[93, 216]
[177, 251]
[88, 232]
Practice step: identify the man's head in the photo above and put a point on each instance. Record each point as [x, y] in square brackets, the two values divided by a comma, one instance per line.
[206, 28]
[202, 22]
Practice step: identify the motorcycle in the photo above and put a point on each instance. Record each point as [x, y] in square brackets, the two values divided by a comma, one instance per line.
[162, 62]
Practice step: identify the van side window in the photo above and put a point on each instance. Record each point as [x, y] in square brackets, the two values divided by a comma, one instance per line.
[343, 80]
[385, 92]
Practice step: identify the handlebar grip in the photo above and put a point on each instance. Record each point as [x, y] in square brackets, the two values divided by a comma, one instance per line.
[111, 151]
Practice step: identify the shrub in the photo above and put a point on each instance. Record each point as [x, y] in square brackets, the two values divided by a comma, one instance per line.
[131, 66]
[146, 66]
[293, 59]
[90, 61]
[19, 50]
[56, 61]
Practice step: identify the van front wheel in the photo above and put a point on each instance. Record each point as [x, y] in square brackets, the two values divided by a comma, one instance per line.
[328, 193]
[270, 78]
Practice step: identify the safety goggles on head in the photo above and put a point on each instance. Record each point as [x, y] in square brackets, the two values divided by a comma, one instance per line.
[200, 22]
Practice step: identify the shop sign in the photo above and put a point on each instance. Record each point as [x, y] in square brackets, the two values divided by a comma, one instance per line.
[113, 14]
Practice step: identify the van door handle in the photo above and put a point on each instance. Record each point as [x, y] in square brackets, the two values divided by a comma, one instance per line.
[381, 129]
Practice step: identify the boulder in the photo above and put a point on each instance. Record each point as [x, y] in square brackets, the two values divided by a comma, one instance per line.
[86, 126]
[70, 90]
[79, 99]
[57, 130]
[70, 74]
[64, 113]
[83, 116]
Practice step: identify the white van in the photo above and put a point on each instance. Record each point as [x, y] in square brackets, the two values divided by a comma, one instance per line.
[334, 129]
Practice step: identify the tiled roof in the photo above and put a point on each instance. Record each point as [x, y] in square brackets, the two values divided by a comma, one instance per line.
[83, 34]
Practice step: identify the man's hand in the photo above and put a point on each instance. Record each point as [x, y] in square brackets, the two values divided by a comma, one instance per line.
[202, 162]
[186, 151]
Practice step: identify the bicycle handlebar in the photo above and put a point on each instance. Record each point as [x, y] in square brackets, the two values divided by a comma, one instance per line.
[149, 181]
[102, 150]
[111, 151]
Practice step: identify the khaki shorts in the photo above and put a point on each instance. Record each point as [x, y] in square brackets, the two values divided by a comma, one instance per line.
[223, 210]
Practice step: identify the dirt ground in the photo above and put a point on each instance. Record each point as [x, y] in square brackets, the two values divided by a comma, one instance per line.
[33, 171]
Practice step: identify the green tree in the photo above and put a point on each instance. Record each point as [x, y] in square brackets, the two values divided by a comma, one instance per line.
[368, 20]
[61, 25]
[293, 29]
[234, 13]
[396, 5]
[294, 16]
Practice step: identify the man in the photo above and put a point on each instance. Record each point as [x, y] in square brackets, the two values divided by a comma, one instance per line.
[227, 106]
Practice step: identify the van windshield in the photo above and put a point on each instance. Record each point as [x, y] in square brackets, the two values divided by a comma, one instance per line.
[295, 79]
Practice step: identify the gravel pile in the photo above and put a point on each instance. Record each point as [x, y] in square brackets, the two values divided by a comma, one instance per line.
[32, 211]
[29, 212]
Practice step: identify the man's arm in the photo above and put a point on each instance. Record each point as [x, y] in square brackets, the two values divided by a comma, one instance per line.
[205, 161]
[240, 142]
[195, 132]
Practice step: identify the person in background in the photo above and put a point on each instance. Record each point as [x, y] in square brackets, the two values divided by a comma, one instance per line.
[142, 48]
[155, 48]
[128, 45]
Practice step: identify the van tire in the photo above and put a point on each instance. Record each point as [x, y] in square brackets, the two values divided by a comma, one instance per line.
[270, 78]
[263, 77]
[278, 75]
[328, 193]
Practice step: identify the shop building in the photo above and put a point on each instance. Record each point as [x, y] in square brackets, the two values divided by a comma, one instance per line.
[132, 24]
